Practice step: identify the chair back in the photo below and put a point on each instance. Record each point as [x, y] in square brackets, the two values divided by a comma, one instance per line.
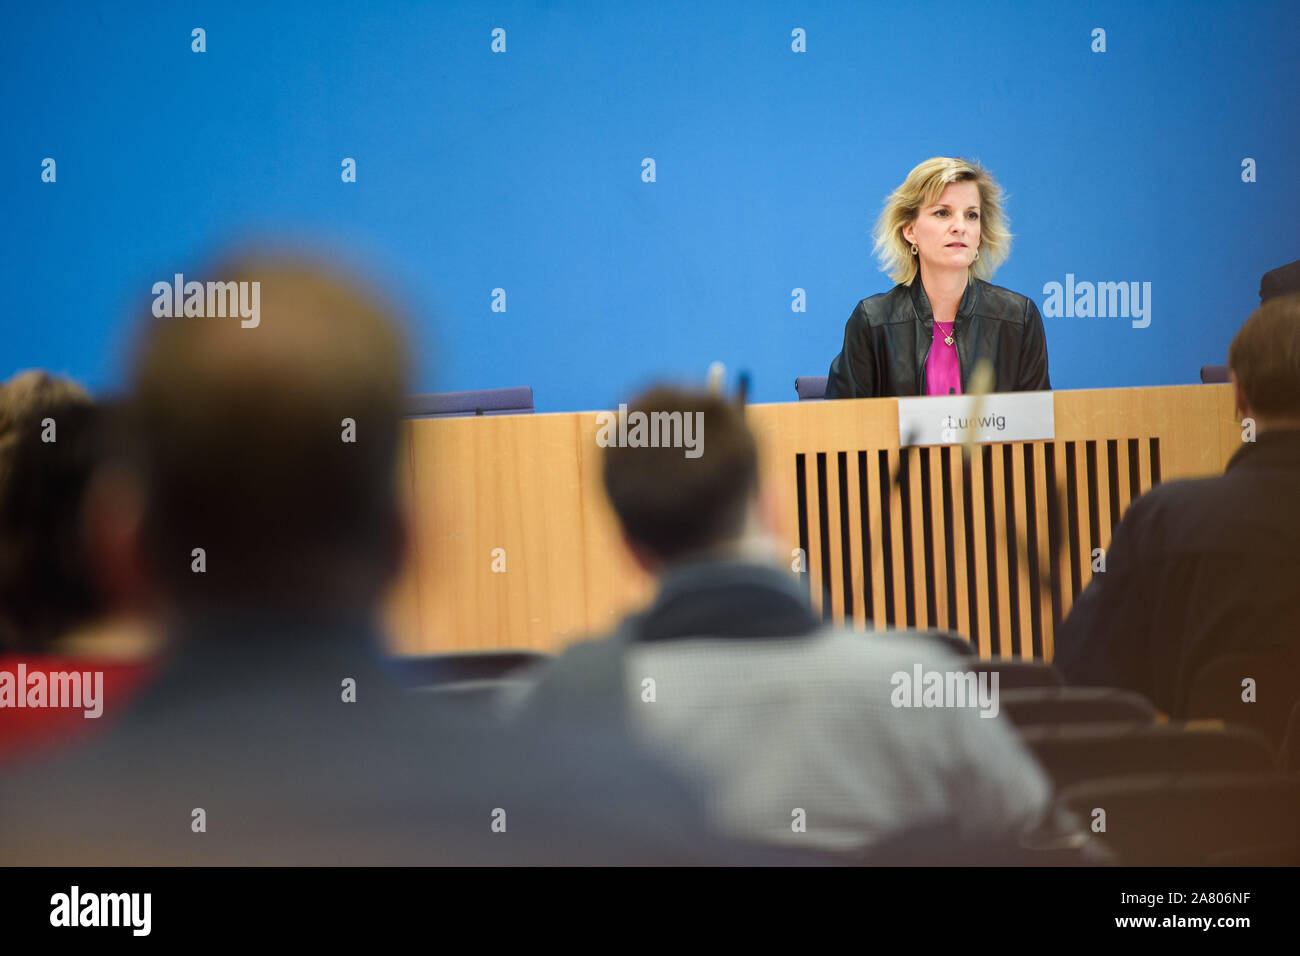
[1017, 674]
[1193, 819]
[1256, 690]
[1073, 753]
[483, 401]
[1074, 705]
[435, 670]
[810, 388]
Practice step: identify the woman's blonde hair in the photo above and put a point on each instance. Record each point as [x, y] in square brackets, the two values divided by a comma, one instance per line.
[921, 188]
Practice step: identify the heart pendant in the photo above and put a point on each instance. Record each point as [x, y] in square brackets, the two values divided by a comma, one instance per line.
[947, 340]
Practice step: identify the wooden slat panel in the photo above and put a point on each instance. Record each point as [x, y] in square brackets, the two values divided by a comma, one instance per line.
[1024, 643]
[1064, 556]
[1125, 491]
[1185, 417]
[1230, 429]
[1041, 491]
[918, 536]
[529, 484]
[853, 486]
[962, 611]
[835, 530]
[1084, 513]
[1103, 493]
[939, 541]
[980, 542]
[896, 533]
[779, 475]
[612, 584]
[816, 573]
[999, 530]
[872, 478]
[401, 607]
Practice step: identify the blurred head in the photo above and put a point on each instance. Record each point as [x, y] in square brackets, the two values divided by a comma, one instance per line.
[673, 507]
[50, 445]
[948, 208]
[1264, 360]
[272, 448]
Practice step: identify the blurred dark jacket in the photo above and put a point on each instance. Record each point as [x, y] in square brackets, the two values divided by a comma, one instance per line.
[888, 338]
[1197, 569]
[1280, 281]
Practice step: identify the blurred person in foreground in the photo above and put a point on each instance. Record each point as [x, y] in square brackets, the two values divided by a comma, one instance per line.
[1283, 280]
[272, 734]
[1206, 567]
[793, 729]
[73, 649]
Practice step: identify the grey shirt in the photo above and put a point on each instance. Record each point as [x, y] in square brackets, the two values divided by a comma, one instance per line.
[795, 734]
[772, 728]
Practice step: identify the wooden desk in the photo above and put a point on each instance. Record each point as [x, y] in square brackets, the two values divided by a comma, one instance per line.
[954, 547]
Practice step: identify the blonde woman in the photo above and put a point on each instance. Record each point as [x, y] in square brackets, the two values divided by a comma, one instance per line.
[941, 236]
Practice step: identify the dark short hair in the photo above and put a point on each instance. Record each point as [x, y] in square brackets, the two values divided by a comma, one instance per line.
[240, 438]
[671, 504]
[46, 588]
[1265, 356]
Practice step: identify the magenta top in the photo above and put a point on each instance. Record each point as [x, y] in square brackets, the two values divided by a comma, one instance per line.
[942, 373]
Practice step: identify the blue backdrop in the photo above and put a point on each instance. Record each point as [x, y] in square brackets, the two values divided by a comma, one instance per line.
[522, 170]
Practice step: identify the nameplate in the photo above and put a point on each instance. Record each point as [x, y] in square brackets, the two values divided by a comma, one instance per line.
[955, 419]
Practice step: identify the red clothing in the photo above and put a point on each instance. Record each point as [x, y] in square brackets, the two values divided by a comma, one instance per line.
[26, 729]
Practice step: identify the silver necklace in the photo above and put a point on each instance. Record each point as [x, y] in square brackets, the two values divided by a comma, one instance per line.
[947, 333]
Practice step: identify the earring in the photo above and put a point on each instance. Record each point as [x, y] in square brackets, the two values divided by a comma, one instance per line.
[914, 248]
[977, 254]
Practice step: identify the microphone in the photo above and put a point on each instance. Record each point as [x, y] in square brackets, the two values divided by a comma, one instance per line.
[717, 371]
[900, 470]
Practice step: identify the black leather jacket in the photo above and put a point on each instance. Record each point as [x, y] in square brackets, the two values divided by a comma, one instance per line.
[888, 338]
